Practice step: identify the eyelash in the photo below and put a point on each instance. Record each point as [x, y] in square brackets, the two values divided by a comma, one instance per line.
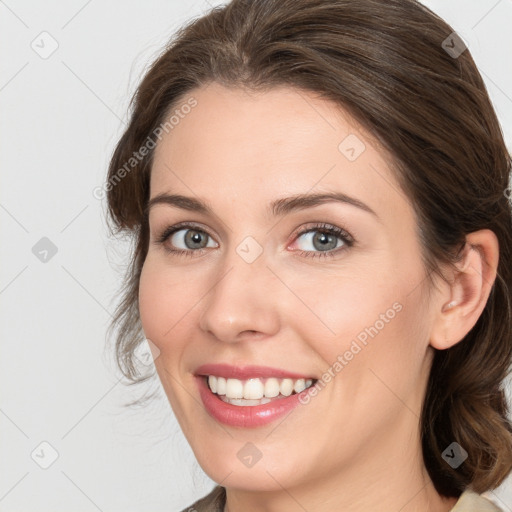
[329, 229]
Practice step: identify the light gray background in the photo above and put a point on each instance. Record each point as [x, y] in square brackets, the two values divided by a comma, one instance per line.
[61, 117]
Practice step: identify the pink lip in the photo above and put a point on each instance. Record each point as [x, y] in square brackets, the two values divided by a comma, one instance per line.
[246, 416]
[246, 372]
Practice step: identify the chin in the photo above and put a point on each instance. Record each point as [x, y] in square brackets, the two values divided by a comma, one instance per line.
[243, 465]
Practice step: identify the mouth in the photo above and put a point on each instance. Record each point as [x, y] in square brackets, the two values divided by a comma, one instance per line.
[251, 396]
[255, 391]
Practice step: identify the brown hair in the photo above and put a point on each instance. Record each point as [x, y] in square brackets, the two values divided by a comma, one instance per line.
[385, 63]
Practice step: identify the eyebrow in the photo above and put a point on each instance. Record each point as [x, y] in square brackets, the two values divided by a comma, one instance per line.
[277, 208]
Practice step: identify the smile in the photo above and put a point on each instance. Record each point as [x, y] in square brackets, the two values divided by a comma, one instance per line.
[250, 396]
[255, 391]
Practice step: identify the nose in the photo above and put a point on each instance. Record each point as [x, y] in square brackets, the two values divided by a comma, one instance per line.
[242, 302]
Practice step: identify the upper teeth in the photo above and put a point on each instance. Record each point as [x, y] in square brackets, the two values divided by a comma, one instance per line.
[256, 389]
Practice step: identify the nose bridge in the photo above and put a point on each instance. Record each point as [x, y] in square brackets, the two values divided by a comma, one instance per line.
[240, 299]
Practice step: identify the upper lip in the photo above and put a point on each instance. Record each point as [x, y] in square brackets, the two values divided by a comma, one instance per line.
[246, 372]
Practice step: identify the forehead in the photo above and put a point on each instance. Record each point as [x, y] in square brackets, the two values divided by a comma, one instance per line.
[259, 146]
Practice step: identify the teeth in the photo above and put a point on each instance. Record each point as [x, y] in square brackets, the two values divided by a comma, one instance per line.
[221, 384]
[254, 391]
[212, 382]
[243, 402]
[286, 387]
[234, 388]
[272, 388]
[299, 385]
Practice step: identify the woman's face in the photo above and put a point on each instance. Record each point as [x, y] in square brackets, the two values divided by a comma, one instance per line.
[274, 288]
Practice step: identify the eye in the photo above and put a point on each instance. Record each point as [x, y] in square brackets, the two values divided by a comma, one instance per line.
[188, 238]
[326, 240]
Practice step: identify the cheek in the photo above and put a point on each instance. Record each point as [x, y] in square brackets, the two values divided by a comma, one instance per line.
[372, 318]
[341, 306]
[162, 306]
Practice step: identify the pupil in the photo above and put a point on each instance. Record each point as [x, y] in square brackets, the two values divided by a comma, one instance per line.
[194, 237]
[324, 239]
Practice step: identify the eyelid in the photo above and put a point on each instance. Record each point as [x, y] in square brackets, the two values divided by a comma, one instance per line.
[324, 227]
[170, 230]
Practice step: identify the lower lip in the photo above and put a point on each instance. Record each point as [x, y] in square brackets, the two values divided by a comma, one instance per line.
[250, 415]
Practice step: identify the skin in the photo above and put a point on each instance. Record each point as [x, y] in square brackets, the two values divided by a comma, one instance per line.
[356, 445]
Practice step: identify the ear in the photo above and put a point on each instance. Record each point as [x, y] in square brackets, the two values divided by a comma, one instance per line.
[461, 302]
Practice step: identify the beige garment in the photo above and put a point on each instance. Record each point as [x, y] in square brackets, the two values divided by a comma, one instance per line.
[467, 502]
[471, 502]
[213, 502]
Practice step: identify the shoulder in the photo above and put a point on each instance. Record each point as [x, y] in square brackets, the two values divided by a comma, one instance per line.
[212, 502]
[470, 501]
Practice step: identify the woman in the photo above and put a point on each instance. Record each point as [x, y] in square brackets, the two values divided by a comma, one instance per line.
[318, 196]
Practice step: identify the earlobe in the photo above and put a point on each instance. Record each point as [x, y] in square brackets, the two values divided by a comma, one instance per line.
[463, 301]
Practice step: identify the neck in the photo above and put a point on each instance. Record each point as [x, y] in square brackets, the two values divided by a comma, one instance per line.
[386, 480]
[418, 495]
